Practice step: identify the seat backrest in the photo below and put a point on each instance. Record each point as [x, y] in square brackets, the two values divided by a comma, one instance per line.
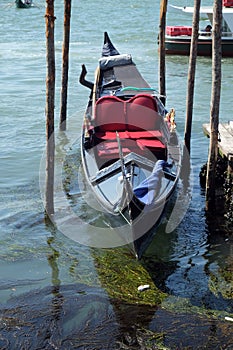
[142, 113]
[137, 113]
[110, 114]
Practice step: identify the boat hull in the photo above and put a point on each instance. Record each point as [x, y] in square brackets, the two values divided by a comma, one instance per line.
[131, 154]
[147, 223]
[139, 220]
[22, 5]
[181, 46]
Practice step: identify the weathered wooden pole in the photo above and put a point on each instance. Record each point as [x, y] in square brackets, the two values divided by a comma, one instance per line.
[215, 102]
[162, 63]
[49, 109]
[65, 64]
[191, 74]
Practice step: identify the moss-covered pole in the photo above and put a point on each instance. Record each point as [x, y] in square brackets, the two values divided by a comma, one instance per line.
[65, 64]
[49, 109]
[162, 63]
[215, 102]
[191, 74]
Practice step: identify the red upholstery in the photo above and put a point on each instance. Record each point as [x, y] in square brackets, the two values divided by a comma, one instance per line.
[109, 114]
[111, 135]
[134, 135]
[110, 150]
[137, 122]
[145, 134]
[137, 113]
[155, 146]
[151, 143]
[142, 113]
[144, 100]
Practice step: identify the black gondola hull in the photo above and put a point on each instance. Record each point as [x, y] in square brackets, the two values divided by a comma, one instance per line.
[23, 4]
[131, 155]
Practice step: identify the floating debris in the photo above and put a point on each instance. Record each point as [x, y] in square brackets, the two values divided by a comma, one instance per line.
[143, 287]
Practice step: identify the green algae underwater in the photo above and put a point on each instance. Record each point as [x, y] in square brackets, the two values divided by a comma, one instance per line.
[110, 314]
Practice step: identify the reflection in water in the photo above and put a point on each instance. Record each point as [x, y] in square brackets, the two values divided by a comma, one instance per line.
[52, 258]
[219, 270]
[181, 320]
[189, 272]
[191, 265]
[183, 194]
[54, 332]
[74, 316]
[80, 317]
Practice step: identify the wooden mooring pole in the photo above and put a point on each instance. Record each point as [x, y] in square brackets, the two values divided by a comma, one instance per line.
[65, 64]
[215, 101]
[191, 75]
[49, 109]
[162, 63]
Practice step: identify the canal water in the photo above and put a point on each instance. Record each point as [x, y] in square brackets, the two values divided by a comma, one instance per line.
[57, 293]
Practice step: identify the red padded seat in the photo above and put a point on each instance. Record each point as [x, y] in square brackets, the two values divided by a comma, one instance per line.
[110, 114]
[137, 113]
[111, 135]
[137, 122]
[110, 150]
[134, 135]
[145, 134]
[144, 100]
[142, 113]
[155, 146]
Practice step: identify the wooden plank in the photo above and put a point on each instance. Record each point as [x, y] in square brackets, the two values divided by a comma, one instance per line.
[225, 143]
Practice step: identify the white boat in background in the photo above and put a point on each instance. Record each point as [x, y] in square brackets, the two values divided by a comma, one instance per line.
[178, 38]
[185, 9]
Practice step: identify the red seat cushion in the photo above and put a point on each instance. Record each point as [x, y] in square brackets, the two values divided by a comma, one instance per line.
[136, 119]
[134, 135]
[144, 100]
[110, 114]
[144, 134]
[150, 143]
[109, 149]
[137, 113]
[111, 135]
[155, 146]
[142, 113]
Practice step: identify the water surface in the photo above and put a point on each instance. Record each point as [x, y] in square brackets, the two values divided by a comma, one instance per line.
[52, 291]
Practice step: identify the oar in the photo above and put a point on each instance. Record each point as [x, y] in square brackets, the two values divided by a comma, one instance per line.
[126, 183]
[123, 170]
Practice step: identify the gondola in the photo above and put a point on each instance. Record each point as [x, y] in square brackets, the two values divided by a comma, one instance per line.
[130, 150]
[23, 3]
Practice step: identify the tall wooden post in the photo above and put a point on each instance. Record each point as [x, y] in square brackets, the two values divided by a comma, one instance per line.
[50, 92]
[162, 63]
[215, 101]
[65, 64]
[191, 74]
